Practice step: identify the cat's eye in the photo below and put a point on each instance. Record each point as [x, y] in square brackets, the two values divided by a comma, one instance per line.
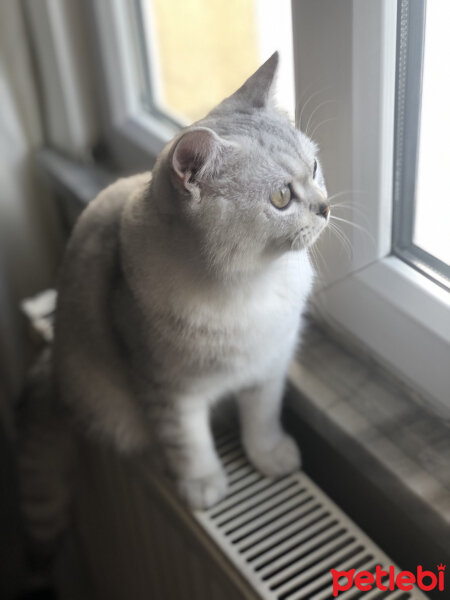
[281, 198]
[314, 169]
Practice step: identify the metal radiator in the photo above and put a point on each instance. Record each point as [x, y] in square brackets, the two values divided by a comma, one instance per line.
[267, 539]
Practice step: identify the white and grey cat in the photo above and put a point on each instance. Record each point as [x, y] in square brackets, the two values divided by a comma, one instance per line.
[185, 285]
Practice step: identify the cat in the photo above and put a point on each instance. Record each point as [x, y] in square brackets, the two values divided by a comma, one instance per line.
[185, 285]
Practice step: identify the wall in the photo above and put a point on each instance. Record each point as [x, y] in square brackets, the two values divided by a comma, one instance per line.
[29, 239]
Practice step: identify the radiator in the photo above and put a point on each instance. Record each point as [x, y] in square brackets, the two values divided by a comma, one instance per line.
[272, 540]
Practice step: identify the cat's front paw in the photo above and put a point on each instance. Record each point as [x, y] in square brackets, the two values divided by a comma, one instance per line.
[279, 459]
[205, 491]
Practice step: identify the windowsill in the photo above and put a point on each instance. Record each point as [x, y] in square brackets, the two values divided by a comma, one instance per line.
[372, 445]
[80, 182]
[75, 183]
[385, 434]
[402, 316]
[427, 301]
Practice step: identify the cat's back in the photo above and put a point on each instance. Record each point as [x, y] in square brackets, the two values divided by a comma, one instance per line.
[90, 261]
[95, 235]
[102, 215]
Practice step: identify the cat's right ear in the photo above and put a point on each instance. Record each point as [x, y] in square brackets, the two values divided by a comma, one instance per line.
[195, 157]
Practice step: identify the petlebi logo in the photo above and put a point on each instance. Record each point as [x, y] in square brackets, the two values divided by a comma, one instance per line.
[388, 580]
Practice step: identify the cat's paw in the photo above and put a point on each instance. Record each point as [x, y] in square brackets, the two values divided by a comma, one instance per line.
[280, 459]
[205, 491]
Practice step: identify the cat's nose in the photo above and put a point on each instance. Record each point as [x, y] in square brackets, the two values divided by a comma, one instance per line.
[323, 209]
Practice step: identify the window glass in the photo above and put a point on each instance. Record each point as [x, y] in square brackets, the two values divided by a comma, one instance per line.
[432, 219]
[200, 51]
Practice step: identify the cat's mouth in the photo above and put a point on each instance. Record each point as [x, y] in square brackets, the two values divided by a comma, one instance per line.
[308, 234]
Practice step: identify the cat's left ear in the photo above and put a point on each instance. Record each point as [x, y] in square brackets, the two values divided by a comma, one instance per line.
[256, 92]
[196, 156]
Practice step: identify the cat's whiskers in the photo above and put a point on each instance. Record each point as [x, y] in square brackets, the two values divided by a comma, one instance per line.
[341, 236]
[320, 125]
[349, 205]
[295, 240]
[313, 95]
[352, 204]
[344, 192]
[316, 257]
[355, 225]
[318, 107]
[299, 104]
[359, 212]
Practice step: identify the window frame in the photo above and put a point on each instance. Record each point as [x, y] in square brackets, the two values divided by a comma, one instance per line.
[57, 39]
[410, 58]
[395, 312]
[134, 135]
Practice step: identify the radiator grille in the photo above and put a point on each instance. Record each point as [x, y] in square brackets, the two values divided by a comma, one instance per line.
[284, 536]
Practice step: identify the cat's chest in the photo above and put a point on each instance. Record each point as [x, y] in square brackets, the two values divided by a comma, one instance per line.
[240, 324]
[211, 340]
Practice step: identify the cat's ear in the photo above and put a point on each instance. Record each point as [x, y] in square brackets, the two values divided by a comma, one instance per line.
[257, 91]
[195, 156]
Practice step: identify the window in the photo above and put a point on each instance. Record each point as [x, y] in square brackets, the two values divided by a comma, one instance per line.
[375, 296]
[422, 219]
[194, 54]
[157, 79]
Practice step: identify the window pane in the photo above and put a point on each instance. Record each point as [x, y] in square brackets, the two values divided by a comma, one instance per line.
[200, 51]
[432, 219]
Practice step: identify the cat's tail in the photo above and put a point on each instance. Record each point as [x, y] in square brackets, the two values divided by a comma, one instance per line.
[47, 464]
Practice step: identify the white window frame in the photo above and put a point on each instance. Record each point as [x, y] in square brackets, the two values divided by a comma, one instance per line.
[88, 77]
[57, 39]
[397, 313]
[133, 133]
[345, 49]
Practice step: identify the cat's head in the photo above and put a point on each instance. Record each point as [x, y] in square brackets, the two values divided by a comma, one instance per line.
[247, 182]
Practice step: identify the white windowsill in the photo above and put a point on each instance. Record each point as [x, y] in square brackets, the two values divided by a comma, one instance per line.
[404, 316]
[383, 429]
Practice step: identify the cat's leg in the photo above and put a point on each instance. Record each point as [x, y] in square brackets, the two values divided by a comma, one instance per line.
[271, 450]
[186, 436]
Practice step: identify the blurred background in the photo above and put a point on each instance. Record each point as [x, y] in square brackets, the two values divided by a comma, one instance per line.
[94, 89]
